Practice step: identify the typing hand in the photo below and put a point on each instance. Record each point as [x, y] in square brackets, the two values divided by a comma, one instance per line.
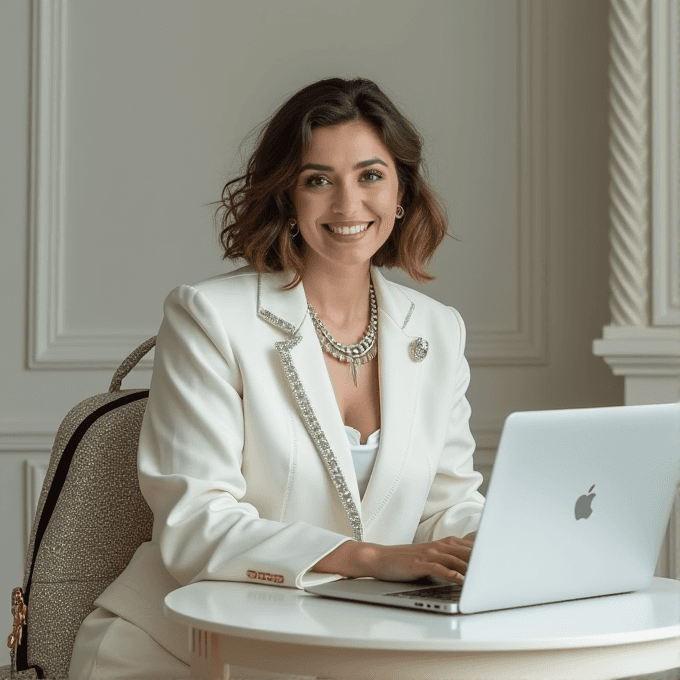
[446, 558]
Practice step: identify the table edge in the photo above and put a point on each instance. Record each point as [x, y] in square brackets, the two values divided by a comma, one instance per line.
[458, 645]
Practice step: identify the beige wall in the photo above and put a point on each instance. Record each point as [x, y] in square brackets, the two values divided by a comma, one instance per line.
[511, 98]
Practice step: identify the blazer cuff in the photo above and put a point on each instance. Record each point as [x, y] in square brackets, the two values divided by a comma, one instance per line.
[312, 578]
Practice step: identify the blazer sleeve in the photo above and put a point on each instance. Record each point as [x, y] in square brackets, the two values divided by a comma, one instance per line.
[189, 462]
[454, 506]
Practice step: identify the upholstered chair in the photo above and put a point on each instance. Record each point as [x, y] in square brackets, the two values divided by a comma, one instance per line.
[90, 520]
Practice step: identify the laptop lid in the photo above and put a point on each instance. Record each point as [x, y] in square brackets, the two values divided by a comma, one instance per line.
[577, 505]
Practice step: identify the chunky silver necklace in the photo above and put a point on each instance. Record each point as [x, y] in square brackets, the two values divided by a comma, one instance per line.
[356, 354]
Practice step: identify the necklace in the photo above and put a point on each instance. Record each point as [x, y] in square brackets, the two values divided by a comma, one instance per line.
[356, 354]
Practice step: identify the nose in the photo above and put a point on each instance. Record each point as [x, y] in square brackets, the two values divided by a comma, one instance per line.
[346, 198]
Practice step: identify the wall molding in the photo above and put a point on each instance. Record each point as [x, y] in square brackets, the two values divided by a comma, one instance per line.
[51, 343]
[34, 477]
[527, 345]
[640, 350]
[26, 443]
[26, 436]
[665, 50]
[487, 437]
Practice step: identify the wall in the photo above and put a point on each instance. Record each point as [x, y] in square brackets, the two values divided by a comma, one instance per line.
[137, 118]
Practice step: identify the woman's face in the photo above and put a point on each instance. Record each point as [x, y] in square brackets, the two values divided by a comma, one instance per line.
[353, 184]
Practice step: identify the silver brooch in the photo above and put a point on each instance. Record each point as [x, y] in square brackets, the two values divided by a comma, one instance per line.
[419, 349]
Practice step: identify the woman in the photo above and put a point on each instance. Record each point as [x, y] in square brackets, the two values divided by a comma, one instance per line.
[307, 418]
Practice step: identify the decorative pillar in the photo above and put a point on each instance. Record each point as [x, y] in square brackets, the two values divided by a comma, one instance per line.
[642, 341]
[629, 162]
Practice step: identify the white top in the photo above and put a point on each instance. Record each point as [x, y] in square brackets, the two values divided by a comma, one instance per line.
[363, 455]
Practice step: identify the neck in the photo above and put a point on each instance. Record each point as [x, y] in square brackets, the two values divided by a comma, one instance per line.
[339, 294]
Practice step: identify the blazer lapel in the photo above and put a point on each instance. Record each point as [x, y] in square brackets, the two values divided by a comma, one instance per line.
[305, 370]
[399, 382]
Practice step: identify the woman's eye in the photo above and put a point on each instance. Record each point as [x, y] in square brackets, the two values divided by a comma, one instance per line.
[377, 173]
[312, 180]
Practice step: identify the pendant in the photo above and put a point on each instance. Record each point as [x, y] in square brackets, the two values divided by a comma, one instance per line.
[354, 367]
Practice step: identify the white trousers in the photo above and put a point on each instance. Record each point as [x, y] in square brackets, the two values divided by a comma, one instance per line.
[110, 648]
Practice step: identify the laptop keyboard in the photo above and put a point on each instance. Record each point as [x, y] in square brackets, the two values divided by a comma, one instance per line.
[444, 593]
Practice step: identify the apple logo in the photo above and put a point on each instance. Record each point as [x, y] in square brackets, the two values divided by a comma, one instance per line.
[582, 508]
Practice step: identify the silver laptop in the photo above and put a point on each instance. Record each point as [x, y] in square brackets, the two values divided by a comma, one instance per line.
[577, 506]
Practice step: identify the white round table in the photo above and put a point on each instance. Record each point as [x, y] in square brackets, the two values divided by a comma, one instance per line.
[285, 630]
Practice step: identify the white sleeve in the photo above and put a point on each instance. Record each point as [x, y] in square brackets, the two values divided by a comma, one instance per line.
[189, 460]
[454, 506]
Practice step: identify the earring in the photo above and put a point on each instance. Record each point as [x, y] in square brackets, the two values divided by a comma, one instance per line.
[292, 224]
[400, 212]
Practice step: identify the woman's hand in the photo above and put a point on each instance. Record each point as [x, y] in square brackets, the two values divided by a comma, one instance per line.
[447, 558]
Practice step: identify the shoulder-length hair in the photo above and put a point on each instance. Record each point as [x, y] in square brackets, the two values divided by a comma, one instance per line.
[254, 225]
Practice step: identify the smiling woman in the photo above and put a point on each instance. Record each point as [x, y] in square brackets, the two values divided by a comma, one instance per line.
[263, 458]
[355, 122]
[345, 218]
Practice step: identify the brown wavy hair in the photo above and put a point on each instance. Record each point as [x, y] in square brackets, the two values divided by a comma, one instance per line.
[254, 224]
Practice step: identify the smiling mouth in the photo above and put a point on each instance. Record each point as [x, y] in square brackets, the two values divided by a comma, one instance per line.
[348, 230]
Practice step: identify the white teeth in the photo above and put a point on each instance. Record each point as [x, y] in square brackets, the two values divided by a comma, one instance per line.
[349, 230]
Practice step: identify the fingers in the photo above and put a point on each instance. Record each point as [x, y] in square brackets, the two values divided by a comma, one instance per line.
[446, 558]
[453, 563]
[454, 540]
[456, 546]
[449, 574]
[454, 558]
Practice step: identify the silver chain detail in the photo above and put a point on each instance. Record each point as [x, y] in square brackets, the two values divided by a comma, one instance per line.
[356, 354]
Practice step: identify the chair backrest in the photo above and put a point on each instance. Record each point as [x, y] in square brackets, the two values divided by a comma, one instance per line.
[90, 520]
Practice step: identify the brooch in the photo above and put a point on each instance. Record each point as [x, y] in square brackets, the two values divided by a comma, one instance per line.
[418, 349]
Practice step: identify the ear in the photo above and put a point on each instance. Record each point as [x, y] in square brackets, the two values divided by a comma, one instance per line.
[400, 195]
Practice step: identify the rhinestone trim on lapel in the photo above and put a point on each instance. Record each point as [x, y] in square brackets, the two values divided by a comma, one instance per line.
[408, 316]
[266, 315]
[315, 431]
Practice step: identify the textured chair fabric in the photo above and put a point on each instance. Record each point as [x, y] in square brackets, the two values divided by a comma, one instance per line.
[6, 674]
[90, 520]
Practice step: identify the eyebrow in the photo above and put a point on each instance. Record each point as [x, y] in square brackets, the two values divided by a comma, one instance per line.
[327, 168]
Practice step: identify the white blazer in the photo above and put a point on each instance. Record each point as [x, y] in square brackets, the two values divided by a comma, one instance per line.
[244, 459]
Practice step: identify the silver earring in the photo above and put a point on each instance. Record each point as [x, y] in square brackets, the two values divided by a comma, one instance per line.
[292, 224]
[400, 212]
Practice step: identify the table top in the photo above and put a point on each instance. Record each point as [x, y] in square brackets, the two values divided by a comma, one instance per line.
[279, 614]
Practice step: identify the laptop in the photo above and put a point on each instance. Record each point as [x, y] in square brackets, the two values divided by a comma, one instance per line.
[577, 506]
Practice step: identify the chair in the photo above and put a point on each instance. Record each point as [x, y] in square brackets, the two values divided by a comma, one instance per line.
[90, 520]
